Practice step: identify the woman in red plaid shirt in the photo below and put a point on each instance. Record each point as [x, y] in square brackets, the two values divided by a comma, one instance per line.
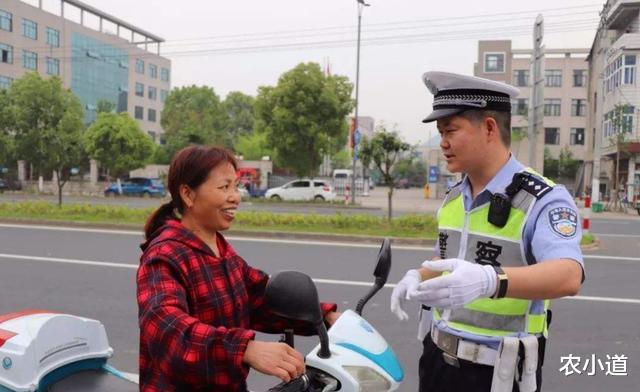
[198, 300]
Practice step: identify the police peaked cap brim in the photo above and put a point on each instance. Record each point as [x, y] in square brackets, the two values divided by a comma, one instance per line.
[454, 93]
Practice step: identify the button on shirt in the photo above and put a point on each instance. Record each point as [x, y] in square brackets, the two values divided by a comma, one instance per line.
[541, 241]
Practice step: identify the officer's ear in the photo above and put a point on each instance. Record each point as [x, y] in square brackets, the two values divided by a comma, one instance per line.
[491, 129]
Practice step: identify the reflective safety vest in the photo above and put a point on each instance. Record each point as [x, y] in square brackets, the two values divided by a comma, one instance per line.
[470, 236]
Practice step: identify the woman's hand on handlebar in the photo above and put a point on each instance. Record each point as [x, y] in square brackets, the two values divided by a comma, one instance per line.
[274, 359]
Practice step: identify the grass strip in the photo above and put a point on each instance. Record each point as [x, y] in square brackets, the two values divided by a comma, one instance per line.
[411, 226]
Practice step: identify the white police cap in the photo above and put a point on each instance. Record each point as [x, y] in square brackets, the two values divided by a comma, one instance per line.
[455, 93]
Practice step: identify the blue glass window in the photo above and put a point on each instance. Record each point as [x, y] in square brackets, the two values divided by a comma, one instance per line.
[29, 60]
[139, 66]
[53, 66]
[6, 21]
[29, 29]
[53, 37]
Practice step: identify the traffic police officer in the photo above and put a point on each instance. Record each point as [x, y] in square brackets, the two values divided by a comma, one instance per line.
[509, 241]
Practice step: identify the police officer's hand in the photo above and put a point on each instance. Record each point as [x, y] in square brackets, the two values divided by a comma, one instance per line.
[274, 359]
[466, 282]
[407, 284]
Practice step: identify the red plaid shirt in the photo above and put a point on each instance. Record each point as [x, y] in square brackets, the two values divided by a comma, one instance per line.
[196, 312]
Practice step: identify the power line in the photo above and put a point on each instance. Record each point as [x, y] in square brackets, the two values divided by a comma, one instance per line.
[501, 31]
[326, 31]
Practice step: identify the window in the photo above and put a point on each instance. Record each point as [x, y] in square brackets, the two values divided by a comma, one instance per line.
[629, 69]
[140, 89]
[53, 37]
[553, 78]
[578, 107]
[551, 107]
[6, 53]
[579, 77]
[29, 60]
[521, 77]
[621, 71]
[53, 66]
[521, 107]
[551, 136]
[151, 115]
[576, 136]
[6, 21]
[494, 62]
[139, 66]
[139, 112]
[29, 29]
[613, 120]
[164, 74]
[163, 95]
[153, 94]
[153, 71]
[300, 184]
[5, 82]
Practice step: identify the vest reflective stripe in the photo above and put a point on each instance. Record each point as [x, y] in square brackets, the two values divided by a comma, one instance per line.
[485, 316]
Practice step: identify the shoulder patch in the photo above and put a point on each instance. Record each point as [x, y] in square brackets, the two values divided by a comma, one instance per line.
[563, 221]
[535, 186]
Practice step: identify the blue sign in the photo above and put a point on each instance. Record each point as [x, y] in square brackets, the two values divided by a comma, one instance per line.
[357, 136]
[434, 173]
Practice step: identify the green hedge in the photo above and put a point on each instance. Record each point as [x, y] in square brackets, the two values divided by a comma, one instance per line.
[417, 226]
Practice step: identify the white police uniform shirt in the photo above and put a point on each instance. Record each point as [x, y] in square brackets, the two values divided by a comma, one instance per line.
[543, 240]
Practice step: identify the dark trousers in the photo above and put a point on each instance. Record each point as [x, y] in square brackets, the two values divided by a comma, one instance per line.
[438, 376]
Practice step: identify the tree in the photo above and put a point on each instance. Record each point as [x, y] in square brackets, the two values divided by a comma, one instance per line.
[414, 170]
[193, 115]
[105, 106]
[621, 121]
[118, 143]
[238, 109]
[6, 137]
[254, 146]
[517, 136]
[304, 116]
[383, 150]
[48, 125]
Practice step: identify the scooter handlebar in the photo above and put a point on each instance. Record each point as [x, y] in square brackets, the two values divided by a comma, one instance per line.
[300, 384]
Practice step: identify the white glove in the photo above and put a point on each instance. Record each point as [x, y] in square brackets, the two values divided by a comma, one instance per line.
[408, 283]
[466, 282]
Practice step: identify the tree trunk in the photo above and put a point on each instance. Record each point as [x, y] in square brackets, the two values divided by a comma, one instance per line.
[60, 185]
[389, 197]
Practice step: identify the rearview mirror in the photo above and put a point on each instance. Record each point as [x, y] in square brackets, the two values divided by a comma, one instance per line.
[293, 295]
[384, 262]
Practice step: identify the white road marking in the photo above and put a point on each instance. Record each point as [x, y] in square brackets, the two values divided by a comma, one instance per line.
[317, 280]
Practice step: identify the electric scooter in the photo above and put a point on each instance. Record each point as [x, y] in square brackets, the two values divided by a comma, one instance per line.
[45, 351]
[352, 356]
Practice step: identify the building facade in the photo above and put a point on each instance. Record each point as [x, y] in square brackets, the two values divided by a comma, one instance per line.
[98, 56]
[614, 102]
[565, 100]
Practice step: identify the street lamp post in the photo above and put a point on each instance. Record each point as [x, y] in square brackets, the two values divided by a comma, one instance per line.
[356, 140]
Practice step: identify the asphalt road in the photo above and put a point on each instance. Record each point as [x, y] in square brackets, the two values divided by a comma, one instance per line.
[53, 268]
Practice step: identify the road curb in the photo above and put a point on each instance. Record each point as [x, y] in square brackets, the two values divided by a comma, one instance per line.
[242, 233]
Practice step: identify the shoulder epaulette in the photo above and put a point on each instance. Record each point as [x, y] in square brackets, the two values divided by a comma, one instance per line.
[534, 185]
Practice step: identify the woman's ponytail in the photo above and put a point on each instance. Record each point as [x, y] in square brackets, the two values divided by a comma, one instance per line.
[157, 219]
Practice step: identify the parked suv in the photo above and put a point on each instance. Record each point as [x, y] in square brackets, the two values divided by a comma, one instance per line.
[137, 186]
[304, 189]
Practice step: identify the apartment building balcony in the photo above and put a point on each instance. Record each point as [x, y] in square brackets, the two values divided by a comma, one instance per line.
[621, 12]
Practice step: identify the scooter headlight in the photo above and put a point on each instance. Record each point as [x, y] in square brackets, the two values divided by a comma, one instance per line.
[368, 379]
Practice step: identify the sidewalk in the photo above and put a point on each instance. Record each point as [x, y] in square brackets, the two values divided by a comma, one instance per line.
[404, 200]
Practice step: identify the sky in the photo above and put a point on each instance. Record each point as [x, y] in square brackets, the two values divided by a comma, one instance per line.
[207, 42]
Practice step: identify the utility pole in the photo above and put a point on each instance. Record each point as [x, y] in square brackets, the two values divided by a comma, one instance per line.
[356, 129]
[536, 108]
